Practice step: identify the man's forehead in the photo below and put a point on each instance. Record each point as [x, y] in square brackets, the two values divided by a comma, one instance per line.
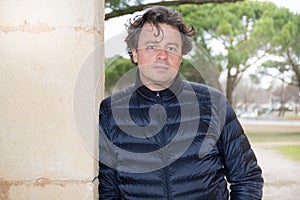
[166, 31]
[166, 27]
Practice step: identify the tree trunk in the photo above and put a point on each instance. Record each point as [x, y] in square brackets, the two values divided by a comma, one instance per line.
[230, 85]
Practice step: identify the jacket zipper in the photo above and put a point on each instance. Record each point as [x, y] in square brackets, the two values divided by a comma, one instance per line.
[165, 169]
[158, 96]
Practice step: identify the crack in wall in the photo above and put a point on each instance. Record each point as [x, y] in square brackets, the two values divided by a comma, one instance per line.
[27, 27]
[88, 29]
[45, 28]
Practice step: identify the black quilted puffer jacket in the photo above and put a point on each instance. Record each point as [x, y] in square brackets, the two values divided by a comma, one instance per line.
[184, 142]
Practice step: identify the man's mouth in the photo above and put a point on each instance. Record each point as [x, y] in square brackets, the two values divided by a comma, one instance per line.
[160, 67]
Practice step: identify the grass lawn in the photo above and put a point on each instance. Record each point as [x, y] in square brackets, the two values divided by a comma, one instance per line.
[290, 151]
[279, 135]
[272, 133]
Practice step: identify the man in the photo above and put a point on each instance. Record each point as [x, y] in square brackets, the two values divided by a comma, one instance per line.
[166, 138]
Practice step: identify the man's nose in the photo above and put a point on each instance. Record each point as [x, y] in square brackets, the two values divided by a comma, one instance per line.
[162, 54]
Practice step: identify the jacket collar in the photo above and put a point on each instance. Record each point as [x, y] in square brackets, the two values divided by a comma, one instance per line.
[164, 95]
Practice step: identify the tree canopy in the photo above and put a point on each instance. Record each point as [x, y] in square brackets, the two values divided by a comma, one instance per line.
[237, 36]
[286, 45]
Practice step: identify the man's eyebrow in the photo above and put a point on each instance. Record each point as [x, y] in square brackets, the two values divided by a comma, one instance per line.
[173, 43]
[155, 42]
[149, 42]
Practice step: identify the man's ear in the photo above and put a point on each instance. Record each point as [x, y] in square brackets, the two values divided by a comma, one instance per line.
[134, 55]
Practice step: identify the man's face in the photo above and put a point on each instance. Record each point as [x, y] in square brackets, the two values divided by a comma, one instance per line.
[158, 57]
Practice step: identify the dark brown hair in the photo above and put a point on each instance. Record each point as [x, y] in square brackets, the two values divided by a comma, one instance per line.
[156, 15]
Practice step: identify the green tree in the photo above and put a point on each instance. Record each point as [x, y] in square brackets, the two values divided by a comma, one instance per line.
[286, 45]
[122, 7]
[236, 36]
[118, 66]
[285, 51]
[190, 73]
[115, 68]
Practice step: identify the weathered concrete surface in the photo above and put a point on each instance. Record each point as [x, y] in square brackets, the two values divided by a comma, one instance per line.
[44, 46]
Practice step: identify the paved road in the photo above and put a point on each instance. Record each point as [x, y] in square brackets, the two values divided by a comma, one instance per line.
[281, 175]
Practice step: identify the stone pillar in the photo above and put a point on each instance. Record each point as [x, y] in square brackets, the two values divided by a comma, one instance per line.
[51, 58]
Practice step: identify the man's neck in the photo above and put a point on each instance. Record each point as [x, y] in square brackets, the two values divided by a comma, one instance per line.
[157, 86]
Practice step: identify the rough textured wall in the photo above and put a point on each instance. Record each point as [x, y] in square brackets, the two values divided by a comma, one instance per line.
[45, 46]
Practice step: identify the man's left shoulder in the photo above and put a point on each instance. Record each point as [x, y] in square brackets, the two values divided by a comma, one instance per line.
[203, 89]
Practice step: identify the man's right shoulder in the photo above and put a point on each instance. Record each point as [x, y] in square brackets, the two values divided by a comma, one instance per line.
[117, 96]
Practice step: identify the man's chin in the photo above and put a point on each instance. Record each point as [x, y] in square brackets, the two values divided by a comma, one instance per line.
[161, 83]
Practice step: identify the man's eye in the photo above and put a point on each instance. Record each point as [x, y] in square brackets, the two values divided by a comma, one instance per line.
[151, 47]
[172, 49]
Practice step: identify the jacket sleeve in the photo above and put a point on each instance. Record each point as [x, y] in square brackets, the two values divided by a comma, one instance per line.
[108, 184]
[243, 173]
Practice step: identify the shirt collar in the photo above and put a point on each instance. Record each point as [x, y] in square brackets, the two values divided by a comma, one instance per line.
[165, 94]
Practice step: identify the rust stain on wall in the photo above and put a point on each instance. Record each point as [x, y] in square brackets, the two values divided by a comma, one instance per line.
[27, 27]
[45, 28]
[40, 182]
[4, 189]
[87, 29]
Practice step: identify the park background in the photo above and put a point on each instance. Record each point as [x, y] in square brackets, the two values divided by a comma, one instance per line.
[52, 70]
[251, 45]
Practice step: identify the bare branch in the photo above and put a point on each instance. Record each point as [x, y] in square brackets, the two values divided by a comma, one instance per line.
[132, 9]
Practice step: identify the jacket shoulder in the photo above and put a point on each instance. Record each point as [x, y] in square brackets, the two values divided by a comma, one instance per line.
[203, 89]
[206, 93]
[120, 95]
